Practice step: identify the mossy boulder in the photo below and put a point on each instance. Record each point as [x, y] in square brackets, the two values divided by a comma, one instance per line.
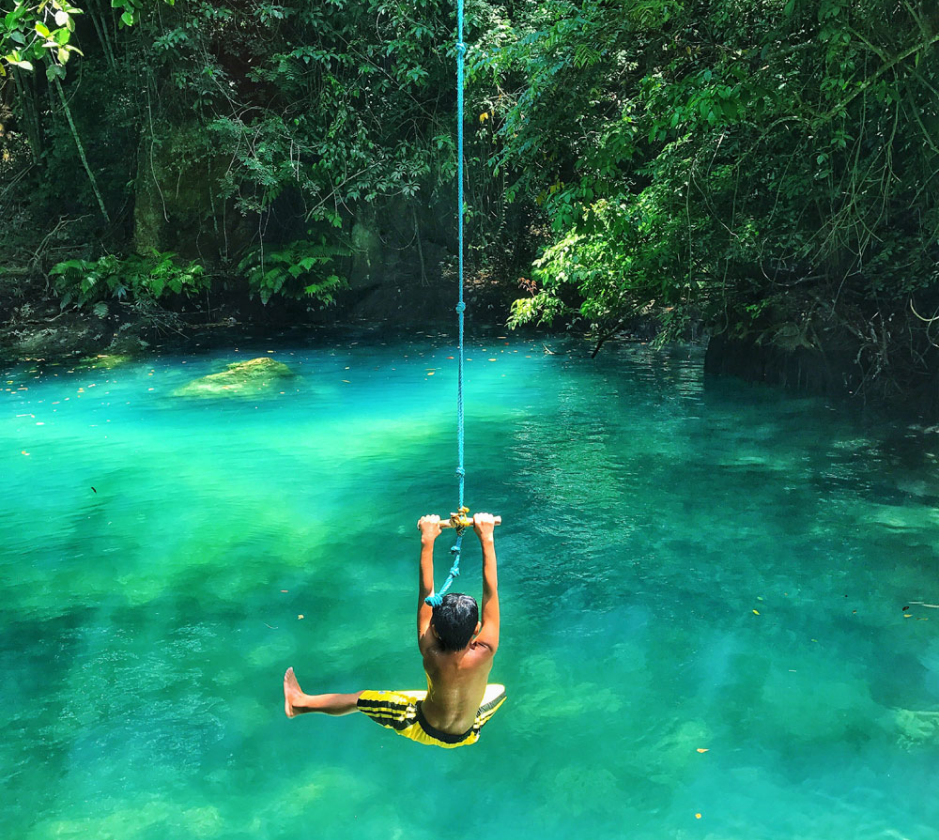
[239, 379]
[105, 361]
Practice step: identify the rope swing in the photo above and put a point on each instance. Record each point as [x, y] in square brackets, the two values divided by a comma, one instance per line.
[459, 520]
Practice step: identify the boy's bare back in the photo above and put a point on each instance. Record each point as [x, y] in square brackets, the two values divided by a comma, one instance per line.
[456, 679]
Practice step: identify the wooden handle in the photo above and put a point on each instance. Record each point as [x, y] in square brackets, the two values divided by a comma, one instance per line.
[453, 521]
[448, 523]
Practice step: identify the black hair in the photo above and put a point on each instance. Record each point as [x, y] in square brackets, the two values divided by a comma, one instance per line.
[455, 620]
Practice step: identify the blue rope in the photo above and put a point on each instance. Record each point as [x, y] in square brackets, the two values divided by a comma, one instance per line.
[435, 599]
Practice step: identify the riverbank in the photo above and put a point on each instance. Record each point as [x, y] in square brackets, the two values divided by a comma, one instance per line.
[836, 366]
[35, 327]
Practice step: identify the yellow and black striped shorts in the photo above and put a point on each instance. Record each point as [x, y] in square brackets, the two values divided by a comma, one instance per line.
[401, 711]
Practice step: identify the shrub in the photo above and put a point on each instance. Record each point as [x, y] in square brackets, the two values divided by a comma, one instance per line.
[150, 277]
[298, 269]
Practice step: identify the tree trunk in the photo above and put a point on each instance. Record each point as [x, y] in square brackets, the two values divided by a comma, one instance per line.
[27, 101]
[101, 27]
[81, 151]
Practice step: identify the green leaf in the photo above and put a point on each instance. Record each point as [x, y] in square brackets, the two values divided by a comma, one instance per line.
[69, 265]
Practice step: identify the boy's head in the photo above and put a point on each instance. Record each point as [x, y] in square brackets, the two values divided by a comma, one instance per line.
[456, 621]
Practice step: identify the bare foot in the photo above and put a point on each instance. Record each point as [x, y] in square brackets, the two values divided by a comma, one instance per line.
[292, 692]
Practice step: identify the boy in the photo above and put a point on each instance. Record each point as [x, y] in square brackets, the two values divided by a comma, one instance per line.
[457, 650]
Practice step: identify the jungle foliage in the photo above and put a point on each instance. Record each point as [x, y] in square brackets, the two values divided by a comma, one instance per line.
[763, 168]
[255, 129]
[766, 167]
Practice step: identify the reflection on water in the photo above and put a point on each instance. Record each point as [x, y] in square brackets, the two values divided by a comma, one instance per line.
[703, 588]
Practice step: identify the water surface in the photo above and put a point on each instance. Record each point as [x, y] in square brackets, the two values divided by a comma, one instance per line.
[702, 592]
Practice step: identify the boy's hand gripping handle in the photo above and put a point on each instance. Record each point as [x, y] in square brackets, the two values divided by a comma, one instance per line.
[457, 520]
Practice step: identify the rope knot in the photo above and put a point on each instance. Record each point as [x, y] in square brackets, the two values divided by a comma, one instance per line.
[461, 48]
[460, 472]
[461, 307]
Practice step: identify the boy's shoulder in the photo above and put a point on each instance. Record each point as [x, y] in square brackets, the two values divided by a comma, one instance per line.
[481, 650]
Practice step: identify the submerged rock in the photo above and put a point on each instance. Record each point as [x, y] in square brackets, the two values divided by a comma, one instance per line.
[916, 728]
[240, 379]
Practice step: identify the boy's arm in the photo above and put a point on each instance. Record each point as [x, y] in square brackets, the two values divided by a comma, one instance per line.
[484, 525]
[430, 530]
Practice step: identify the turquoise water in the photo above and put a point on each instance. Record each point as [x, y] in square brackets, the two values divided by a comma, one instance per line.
[684, 566]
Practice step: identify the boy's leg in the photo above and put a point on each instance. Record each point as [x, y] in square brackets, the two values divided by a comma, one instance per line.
[297, 703]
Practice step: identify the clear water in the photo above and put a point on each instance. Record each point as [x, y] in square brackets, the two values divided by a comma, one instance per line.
[146, 624]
